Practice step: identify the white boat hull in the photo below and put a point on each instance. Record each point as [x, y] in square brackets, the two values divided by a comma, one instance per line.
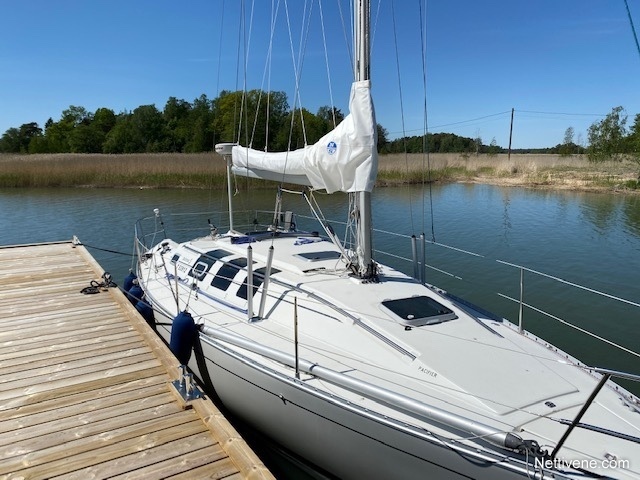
[367, 402]
[347, 441]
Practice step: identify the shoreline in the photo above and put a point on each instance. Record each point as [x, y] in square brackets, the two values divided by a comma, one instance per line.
[207, 170]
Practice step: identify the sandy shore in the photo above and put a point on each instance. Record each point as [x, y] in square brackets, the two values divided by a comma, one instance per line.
[523, 170]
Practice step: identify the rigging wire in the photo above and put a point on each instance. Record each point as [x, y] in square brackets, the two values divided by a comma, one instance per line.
[375, 24]
[274, 16]
[404, 136]
[633, 28]
[304, 34]
[247, 45]
[326, 60]
[296, 79]
[346, 37]
[266, 76]
[236, 133]
[423, 44]
[219, 69]
[297, 70]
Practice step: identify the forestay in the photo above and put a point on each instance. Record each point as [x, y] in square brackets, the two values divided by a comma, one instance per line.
[345, 159]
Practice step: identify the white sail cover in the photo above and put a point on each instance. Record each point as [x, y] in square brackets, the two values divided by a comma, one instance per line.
[345, 159]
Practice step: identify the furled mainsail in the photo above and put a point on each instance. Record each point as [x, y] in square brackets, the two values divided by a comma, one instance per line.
[345, 159]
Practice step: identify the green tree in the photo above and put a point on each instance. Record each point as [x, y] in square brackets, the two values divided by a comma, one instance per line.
[296, 133]
[568, 136]
[120, 138]
[148, 129]
[607, 137]
[478, 144]
[493, 148]
[176, 115]
[86, 139]
[633, 140]
[10, 141]
[383, 138]
[253, 118]
[75, 115]
[104, 119]
[58, 134]
[201, 121]
[57, 137]
[568, 147]
[332, 116]
[16, 140]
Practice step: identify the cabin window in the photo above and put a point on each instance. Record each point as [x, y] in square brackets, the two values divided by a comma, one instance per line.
[419, 310]
[224, 277]
[225, 274]
[202, 266]
[175, 258]
[258, 278]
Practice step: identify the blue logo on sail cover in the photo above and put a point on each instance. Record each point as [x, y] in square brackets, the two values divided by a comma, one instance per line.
[331, 148]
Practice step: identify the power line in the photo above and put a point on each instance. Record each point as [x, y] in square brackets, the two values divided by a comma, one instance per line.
[526, 113]
[471, 120]
[563, 113]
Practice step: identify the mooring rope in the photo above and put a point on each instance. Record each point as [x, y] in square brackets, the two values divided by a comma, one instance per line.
[96, 286]
[106, 250]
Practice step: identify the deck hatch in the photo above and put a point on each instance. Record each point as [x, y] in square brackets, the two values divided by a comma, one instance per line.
[419, 310]
[317, 256]
[217, 254]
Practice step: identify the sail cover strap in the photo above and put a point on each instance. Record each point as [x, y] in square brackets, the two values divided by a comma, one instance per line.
[345, 159]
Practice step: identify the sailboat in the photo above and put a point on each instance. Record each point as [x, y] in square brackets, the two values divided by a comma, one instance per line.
[361, 369]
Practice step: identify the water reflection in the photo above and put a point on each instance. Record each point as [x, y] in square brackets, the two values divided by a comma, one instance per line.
[631, 214]
[601, 211]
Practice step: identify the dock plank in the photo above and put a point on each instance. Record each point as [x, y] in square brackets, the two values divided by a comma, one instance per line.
[120, 461]
[85, 384]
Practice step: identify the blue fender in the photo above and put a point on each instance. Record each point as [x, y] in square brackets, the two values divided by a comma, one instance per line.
[183, 335]
[128, 281]
[135, 294]
[145, 310]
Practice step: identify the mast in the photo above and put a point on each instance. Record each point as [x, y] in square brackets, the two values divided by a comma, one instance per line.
[364, 246]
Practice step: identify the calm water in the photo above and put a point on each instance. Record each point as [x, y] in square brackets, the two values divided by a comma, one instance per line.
[589, 239]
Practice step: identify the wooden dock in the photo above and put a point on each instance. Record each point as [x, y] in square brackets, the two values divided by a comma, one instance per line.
[85, 384]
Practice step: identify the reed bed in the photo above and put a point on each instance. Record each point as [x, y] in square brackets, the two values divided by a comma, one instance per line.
[207, 170]
[162, 170]
[535, 170]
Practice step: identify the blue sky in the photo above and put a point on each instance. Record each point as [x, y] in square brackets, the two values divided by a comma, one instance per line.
[558, 63]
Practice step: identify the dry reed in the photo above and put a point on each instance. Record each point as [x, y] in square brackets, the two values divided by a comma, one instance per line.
[207, 170]
[571, 172]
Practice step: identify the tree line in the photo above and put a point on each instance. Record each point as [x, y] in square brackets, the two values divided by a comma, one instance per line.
[255, 118]
[264, 120]
[607, 139]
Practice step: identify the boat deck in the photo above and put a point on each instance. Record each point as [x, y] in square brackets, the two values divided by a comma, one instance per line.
[85, 384]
